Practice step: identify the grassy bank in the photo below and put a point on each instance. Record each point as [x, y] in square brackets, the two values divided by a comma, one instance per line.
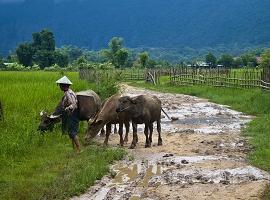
[253, 102]
[34, 166]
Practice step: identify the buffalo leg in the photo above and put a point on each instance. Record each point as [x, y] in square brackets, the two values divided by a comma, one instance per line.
[121, 134]
[102, 132]
[146, 129]
[127, 130]
[151, 133]
[108, 131]
[159, 133]
[115, 129]
[135, 137]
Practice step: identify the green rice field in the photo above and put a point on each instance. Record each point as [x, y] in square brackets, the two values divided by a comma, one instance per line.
[35, 166]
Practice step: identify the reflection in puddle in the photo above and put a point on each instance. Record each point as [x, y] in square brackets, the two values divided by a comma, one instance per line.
[134, 198]
[127, 173]
[149, 173]
[131, 173]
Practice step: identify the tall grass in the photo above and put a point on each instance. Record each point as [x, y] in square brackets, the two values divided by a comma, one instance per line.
[24, 95]
[31, 164]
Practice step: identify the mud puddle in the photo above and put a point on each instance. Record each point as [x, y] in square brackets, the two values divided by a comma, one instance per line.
[203, 156]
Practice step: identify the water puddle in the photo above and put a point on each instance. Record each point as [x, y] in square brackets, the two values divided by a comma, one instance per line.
[150, 172]
[227, 176]
[134, 198]
[129, 173]
[126, 173]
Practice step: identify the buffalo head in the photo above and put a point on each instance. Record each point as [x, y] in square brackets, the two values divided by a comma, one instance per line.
[134, 105]
[93, 128]
[47, 121]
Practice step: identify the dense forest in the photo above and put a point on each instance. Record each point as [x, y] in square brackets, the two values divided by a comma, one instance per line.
[159, 26]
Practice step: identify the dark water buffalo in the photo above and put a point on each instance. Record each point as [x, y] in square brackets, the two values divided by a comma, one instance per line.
[89, 104]
[108, 116]
[142, 109]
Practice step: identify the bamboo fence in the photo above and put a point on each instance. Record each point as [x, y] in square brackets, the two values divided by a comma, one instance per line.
[231, 78]
[148, 75]
[185, 76]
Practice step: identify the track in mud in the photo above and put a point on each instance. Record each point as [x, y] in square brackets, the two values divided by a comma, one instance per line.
[203, 157]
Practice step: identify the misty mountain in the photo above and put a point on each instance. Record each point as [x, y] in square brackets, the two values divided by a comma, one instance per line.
[142, 23]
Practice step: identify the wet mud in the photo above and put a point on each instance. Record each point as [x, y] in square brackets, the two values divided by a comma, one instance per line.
[203, 156]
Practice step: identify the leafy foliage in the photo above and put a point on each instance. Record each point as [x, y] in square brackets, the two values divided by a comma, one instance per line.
[43, 40]
[144, 57]
[211, 59]
[41, 51]
[226, 60]
[249, 60]
[116, 54]
[2, 63]
[265, 63]
[25, 52]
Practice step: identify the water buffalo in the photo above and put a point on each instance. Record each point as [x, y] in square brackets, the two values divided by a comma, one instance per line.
[142, 109]
[108, 116]
[89, 104]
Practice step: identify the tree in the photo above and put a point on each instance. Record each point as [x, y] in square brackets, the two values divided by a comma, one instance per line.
[265, 63]
[25, 53]
[92, 56]
[44, 58]
[72, 52]
[226, 60]
[106, 55]
[237, 62]
[43, 40]
[249, 60]
[144, 57]
[81, 61]
[121, 57]
[44, 45]
[151, 63]
[116, 54]
[115, 44]
[60, 59]
[211, 59]
[41, 51]
[2, 65]
[12, 57]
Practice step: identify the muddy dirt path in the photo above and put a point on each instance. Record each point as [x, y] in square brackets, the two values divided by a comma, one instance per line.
[203, 156]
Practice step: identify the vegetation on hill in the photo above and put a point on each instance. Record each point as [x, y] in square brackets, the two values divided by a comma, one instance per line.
[170, 28]
[41, 53]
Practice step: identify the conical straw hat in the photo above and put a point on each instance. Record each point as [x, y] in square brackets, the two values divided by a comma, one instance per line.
[64, 80]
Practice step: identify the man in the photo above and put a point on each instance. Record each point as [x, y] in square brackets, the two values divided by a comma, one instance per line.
[70, 121]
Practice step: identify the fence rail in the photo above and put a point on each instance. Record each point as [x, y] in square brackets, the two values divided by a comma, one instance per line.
[217, 77]
[233, 78]
[148, 75]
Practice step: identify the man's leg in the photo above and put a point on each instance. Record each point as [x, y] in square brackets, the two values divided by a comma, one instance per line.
[73, 143]
[77, 143]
